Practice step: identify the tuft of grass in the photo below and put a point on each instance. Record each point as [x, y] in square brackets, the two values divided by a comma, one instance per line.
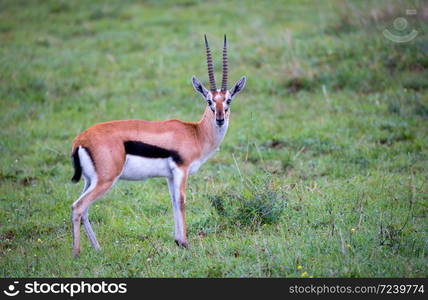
[256, 203]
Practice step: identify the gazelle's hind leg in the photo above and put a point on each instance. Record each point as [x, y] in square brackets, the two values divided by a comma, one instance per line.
[80, 211]
[89, 232]
[88, 228]
[95, 187]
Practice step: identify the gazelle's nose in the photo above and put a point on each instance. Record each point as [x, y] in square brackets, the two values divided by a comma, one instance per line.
[220, 122]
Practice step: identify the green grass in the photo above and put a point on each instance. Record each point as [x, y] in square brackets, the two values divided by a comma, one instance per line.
[330, 132]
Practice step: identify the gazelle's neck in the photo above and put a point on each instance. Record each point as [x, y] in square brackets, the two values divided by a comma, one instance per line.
[209, 134]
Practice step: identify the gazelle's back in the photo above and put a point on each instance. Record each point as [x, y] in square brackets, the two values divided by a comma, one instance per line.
[159, 133]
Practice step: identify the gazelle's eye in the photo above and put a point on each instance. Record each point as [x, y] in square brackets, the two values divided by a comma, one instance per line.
[210, 102]
[228, 101]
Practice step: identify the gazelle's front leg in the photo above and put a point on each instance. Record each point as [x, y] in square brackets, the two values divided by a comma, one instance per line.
[177, 185]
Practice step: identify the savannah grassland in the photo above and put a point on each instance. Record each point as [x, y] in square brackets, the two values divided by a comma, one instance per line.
[323, 172]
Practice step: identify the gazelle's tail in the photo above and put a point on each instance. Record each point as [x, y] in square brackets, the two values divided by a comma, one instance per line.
[76, 164]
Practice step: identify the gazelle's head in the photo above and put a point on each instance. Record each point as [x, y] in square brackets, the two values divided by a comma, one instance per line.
[218, 100]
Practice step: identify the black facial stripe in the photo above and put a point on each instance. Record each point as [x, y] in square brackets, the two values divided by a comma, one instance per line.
[210, 103]
[151, 151]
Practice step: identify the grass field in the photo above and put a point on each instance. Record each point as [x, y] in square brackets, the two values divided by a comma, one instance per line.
[323, 171]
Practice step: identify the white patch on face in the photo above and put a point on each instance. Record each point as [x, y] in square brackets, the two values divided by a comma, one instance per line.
[226, 106]
[209, 99]
[140, 168]
[227, 96]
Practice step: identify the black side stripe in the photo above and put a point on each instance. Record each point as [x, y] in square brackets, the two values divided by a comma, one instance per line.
[151, 151]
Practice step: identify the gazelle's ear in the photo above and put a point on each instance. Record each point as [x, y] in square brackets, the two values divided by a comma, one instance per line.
[199, 87]
[239, 86]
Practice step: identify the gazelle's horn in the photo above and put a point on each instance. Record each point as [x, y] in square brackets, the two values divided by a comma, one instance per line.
[210, 66]
[225, 67]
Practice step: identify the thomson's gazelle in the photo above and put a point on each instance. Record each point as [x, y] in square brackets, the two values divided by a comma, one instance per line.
[137, 150]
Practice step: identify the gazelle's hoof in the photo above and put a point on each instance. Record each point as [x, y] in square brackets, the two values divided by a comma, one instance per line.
[76, 254]
[182, 244]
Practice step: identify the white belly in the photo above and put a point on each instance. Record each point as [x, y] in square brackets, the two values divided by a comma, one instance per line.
[140, 168]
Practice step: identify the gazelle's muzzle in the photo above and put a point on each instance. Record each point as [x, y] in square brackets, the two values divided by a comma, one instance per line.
[219, 113]
[219, 122]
